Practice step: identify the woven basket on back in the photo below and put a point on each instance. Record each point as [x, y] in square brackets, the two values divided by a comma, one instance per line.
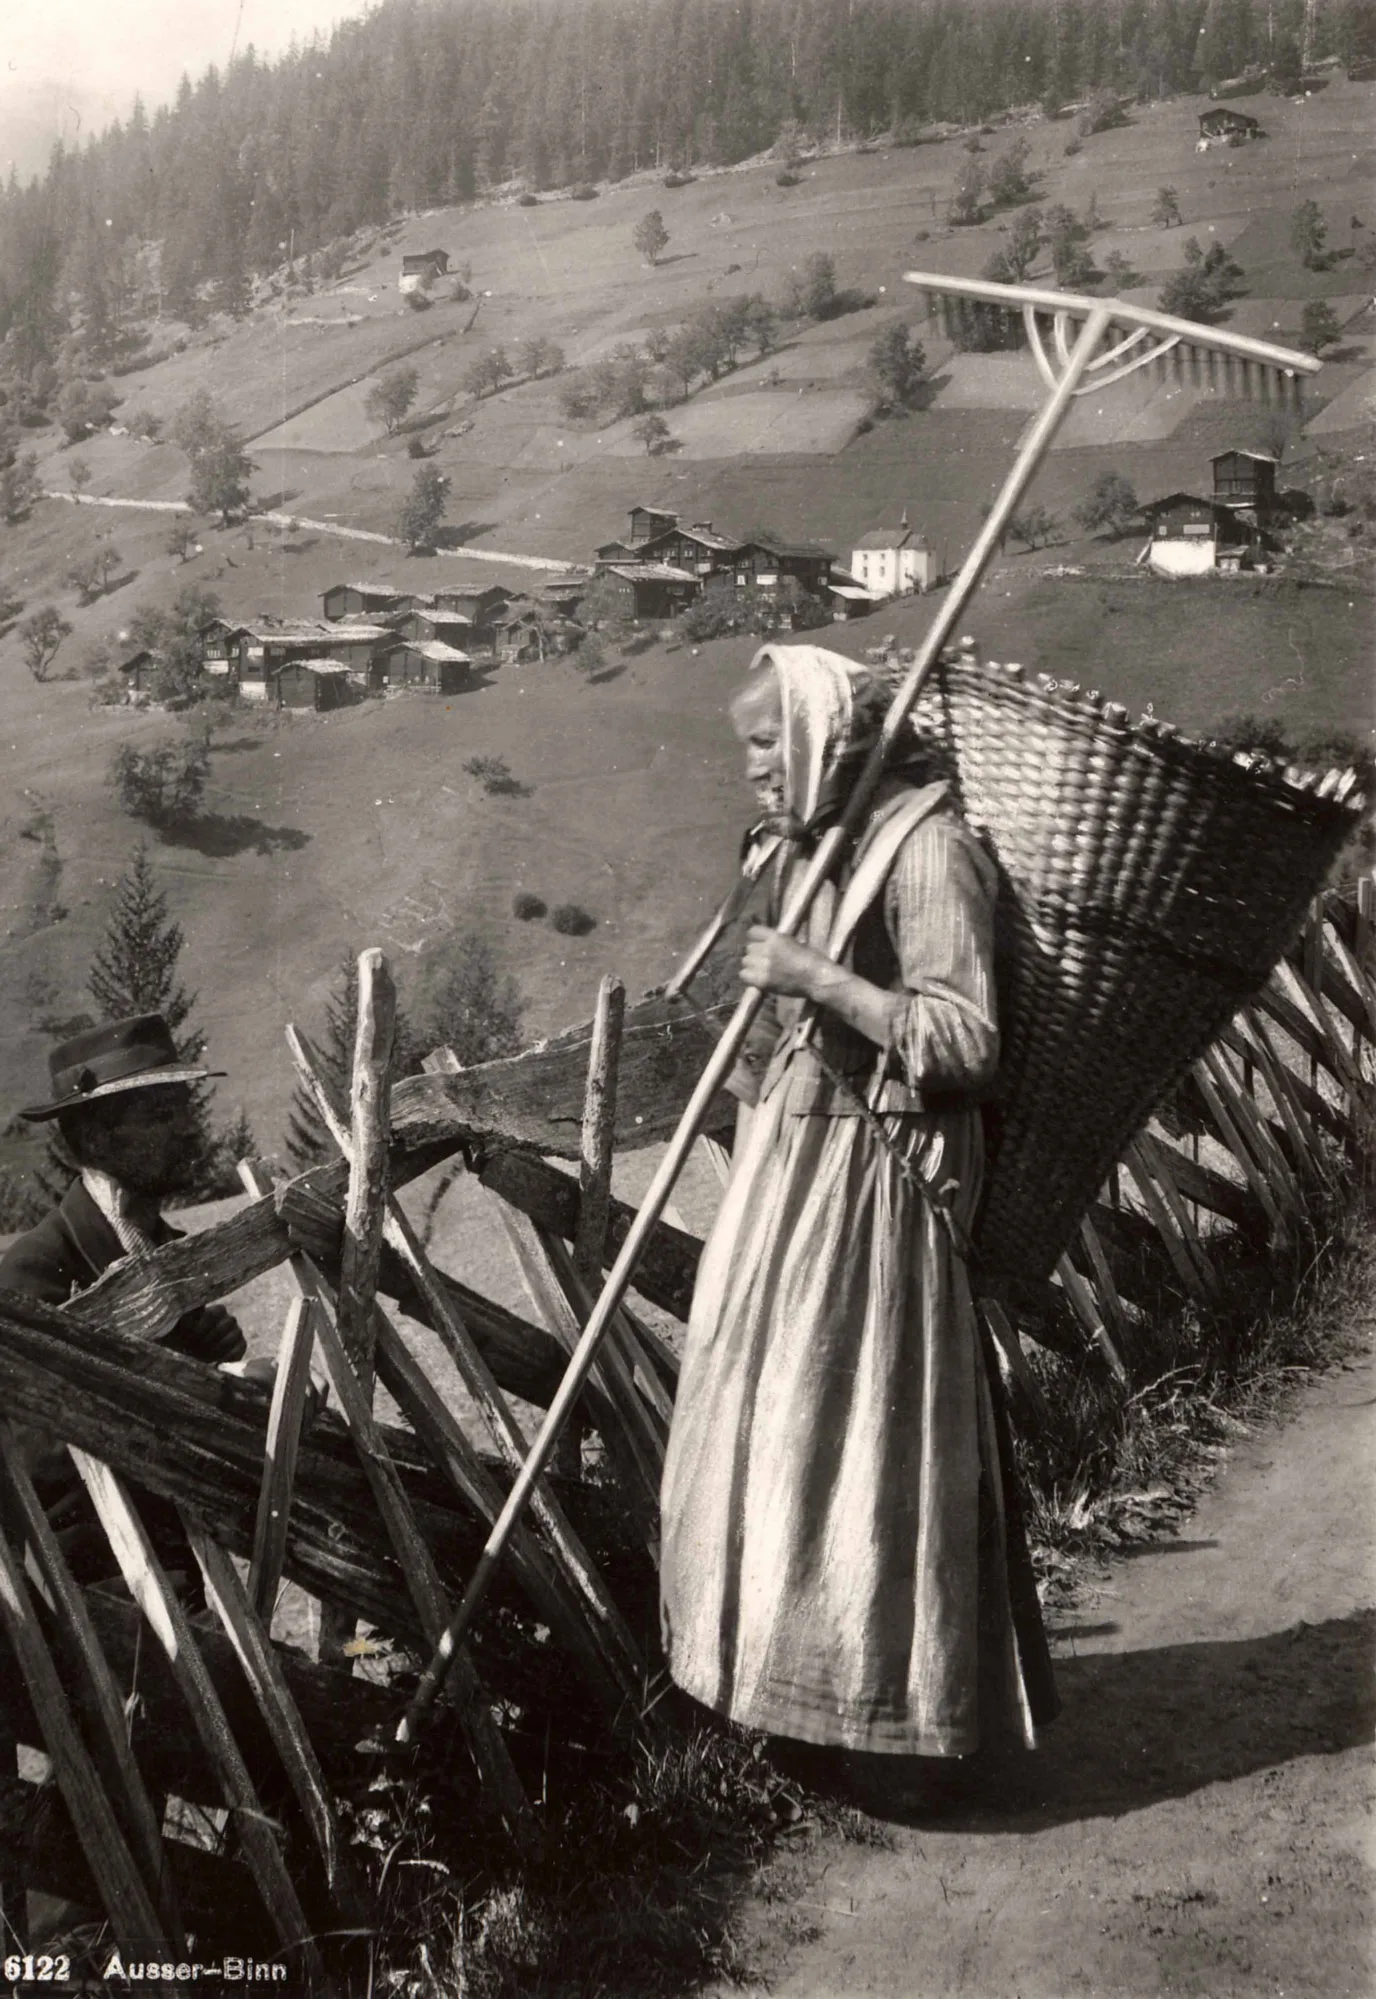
[1148, 885]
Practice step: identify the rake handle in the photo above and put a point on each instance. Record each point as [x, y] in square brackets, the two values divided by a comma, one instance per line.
[1030, 454]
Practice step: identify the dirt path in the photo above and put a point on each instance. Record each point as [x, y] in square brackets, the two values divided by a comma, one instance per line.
[1200, 1817]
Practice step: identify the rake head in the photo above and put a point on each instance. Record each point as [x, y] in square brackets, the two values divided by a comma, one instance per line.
[976, 313]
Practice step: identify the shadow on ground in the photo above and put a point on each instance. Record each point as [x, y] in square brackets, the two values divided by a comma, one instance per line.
[220, 834]
[1136, 1728]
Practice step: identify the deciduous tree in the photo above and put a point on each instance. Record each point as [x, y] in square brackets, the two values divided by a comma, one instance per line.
[423, 510]
[1320, 324]
[650, 237]
[1110, 503]
[1166, 213]
[41, 636]
[900, 365]
[1308, 233]
[163, 785]
[391, 395]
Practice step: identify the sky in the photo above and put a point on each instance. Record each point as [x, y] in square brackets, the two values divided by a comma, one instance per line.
[68, 67]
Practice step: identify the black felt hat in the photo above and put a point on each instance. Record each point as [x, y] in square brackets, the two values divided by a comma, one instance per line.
[106, 1061]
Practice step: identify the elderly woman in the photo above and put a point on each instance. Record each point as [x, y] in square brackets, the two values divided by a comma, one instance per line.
[837, 1546]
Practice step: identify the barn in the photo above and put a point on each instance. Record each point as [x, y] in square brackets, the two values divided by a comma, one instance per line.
[427, 664]
[1191, 536]
[650, 589]
[1222, 122]
[1245, 479]
[362, 600]
[422, 268]
[319, 684]
[451, 628]
[138, 670]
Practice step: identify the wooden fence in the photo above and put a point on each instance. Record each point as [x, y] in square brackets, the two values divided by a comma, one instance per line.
[134, 1702]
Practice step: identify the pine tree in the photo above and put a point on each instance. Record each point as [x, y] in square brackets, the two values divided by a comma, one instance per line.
[308, 1141]
[135, 969]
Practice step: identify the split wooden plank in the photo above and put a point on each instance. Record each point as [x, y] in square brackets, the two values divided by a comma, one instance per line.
[506, 1433]
[1350, 990]
[665, 1274]
[1106, 1290]
[612, 1677]
[125, 1896]
[485, 1741]
[289, 1391]
[599, 1129]
[1086, 1311]
[1140, 1161]
[113, 1756]
[230, 1601]
[611, 1398]
[1004, 1335]
[645, 1411]
[370, 1117]
[1310, 1155]
[150, 1589]
[1165, 1162]
[1222, 1100]
[1331, 1051]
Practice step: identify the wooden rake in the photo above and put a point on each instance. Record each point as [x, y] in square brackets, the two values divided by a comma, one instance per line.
[1093, 343]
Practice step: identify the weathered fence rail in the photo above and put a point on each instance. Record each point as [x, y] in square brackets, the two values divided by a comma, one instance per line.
[385, 1523]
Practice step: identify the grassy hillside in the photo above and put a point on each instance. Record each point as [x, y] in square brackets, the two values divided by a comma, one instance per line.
[327, 833]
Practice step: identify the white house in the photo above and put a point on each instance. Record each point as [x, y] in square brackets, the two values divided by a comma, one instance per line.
[889, 563]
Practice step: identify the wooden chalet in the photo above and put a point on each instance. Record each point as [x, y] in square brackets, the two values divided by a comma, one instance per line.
[480, 606]
[1190, 536]
[319, 684]
[1245, 479]
[138, 670]
[219, 643]
[647, 523]
[768, 563]
[422, 267]
[426, 663]
[264, 648]
[451, 628]
[650, 589]
[526, 633]
[1221, 121]
[363, 600]
[562, 595]
[699, 548]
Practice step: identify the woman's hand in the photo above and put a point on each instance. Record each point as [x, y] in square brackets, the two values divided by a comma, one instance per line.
[781, 964]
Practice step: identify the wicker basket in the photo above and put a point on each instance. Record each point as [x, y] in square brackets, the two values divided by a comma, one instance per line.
[1149, 885]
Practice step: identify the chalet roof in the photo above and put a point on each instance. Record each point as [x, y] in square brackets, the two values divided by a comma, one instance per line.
[437, 617]
[650, 572]
[1172, 501]
[365, 589]
[703, 535]
[434, 649]
[1261, 457]
[854, 592]
[884, 538]
[415, 260]
[311, 666]
[772, 546]
[1225, 113]
[134, 659]
[306, 631]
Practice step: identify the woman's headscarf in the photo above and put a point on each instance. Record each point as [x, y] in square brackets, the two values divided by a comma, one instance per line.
[832, 709]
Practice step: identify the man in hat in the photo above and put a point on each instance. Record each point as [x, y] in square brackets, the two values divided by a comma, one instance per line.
[123, 1100]
[124, 1104]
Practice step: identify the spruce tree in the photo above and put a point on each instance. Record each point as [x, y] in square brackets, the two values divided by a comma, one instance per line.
[135, 969]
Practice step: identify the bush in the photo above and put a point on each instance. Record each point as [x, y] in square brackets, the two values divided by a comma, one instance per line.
[679, 180]
[527, 200]
[585, 191]
[416, 447]
[571, 921]
[495, 776]
[786, 179]
[163, 785]
[528, 907]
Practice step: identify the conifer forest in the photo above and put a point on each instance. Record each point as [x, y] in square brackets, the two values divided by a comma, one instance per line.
[430, 102]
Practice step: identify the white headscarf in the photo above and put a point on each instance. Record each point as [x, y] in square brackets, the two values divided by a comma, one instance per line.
[818, 691]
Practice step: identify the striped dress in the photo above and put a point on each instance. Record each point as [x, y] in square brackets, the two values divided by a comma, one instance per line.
[834, 1550]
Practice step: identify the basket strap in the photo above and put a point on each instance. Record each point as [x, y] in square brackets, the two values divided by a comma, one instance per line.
[875, 856]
